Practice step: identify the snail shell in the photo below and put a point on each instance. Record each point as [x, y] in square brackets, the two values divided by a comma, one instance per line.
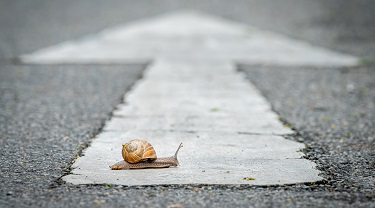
[146, 162]
[138, 151]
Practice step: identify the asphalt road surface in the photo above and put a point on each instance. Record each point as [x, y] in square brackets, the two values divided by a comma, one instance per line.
[49, 113]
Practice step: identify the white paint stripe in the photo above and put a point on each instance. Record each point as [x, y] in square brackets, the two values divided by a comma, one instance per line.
[215, 152]
[207, 158]
[193, 94]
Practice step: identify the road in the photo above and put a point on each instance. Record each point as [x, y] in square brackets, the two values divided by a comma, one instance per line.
[50, 113]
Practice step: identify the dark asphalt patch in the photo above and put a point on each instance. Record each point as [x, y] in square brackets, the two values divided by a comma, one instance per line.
[333, 112]
[48, 114]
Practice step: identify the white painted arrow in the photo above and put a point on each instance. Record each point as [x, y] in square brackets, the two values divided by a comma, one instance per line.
[192, 93]
[176, 35]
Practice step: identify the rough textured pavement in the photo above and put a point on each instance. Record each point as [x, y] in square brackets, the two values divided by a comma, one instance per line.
[177, 92]
[339, 128]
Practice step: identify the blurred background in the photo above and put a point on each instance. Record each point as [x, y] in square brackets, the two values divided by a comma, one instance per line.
[344, 25]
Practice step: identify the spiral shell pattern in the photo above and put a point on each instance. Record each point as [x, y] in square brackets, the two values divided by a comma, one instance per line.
[138, 150]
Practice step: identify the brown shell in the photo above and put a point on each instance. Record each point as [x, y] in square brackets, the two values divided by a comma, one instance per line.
[138, 150]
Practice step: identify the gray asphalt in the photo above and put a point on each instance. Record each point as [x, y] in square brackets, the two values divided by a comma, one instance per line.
[49, 113]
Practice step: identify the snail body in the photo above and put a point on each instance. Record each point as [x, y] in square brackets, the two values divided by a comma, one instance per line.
[136, 158]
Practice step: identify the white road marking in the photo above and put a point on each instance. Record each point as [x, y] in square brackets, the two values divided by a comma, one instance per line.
[192, 93]
[183, 32]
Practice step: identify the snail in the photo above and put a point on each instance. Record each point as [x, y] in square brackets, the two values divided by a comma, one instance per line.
[140, 154]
